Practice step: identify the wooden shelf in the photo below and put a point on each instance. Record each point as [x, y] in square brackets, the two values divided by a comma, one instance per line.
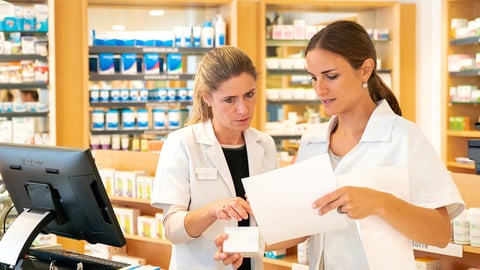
[464, 133]
[465, 41]
[455, 164]
[470, 249]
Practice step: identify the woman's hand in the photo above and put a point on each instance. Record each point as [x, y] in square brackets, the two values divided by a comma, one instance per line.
[236, 208]
[235, 259]
[356, 202]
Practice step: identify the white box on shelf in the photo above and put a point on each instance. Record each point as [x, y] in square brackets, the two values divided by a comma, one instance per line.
[23, 129]
[127, 219]
[147, 226]
[428, 263]
[6, 132]
[108, 179]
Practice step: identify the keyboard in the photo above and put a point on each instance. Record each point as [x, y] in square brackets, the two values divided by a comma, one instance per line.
[65, 257]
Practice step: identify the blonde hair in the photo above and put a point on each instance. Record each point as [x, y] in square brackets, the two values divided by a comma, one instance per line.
[217, 66]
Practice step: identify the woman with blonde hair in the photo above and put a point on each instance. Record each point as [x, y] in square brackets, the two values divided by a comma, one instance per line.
[198, 179]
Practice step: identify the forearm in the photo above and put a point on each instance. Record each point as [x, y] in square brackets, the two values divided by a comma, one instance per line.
[425, 225]
[181, 225]
[197, 221]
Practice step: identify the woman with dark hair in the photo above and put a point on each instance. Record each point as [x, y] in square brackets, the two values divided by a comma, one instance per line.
[365, 132]
[198, 179]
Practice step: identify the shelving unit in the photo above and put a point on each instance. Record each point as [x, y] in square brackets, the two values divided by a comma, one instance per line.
[240, 15]
[44, 119]
[455, 142]
[168, 80]
[397, 52]
[468, 185]
[280, 79]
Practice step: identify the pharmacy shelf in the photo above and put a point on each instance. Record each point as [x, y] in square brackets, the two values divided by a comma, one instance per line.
[466, 73]
[464, 133]
[139, 104]
[141, 77]
[23, 86]
[286, 72]
[161, 132]
[10, 115]
[18, 57]
[465, 41]
[295, 102]
[146, 49]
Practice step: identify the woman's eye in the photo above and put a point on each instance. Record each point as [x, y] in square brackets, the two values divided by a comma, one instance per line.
[250, 94]
[228, 100]
[313, 79]
[331, 77]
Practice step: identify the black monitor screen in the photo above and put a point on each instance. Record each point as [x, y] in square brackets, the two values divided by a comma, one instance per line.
[83, 210]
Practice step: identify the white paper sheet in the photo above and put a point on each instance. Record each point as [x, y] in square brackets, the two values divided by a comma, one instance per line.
[282, 199]
[377, 235]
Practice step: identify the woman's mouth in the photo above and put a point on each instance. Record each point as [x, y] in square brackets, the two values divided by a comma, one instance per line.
[327, 101]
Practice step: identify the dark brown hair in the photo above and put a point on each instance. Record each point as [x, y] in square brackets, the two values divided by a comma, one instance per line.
[351, 41]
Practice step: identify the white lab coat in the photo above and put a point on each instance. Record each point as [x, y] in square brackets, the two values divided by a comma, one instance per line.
[192, 172]
[388, 140]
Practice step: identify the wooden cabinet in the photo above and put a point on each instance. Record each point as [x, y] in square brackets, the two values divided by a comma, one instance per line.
[460, 108]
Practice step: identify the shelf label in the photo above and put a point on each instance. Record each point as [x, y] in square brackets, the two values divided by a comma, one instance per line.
[451, 249]
[160, 50]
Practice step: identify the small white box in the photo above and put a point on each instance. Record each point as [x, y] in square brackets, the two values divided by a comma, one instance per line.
[428, 263]
[23, 129]
[147, 226]
[144, 186]
[244, 240]
[129, 259]
[108, 179]
[160, 229]
[127, 219]
[148, 187]
[6, 132]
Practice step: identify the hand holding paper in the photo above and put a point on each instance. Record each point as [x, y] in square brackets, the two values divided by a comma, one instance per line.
[282, 199]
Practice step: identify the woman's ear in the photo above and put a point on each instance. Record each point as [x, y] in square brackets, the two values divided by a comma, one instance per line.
[206, 99]
[367, 68]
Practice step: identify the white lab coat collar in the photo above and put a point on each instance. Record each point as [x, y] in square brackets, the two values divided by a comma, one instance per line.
[379, 127]
[205, 136]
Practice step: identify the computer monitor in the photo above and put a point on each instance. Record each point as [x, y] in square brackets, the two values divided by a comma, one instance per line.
[54, 190]
[474, 153]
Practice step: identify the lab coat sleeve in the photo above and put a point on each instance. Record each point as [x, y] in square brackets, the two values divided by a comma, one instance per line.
[171, 185]
[173, 224]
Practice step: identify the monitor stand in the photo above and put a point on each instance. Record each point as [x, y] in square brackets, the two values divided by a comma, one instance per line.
[20, 235]
[23, 231]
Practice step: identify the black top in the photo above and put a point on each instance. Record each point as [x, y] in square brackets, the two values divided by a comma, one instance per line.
[237, 161]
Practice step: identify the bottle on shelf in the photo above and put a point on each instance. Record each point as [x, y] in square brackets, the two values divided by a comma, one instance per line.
[220, 31]
[207, 36]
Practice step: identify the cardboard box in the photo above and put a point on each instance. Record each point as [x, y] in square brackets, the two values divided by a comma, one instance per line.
[127, 219]
[427, 263]
[147, 226]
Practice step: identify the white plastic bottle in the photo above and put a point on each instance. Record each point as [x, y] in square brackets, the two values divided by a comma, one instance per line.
[207, 37]
[220, 31]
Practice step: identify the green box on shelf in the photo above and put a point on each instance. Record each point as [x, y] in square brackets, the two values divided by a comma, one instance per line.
[459, 123]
